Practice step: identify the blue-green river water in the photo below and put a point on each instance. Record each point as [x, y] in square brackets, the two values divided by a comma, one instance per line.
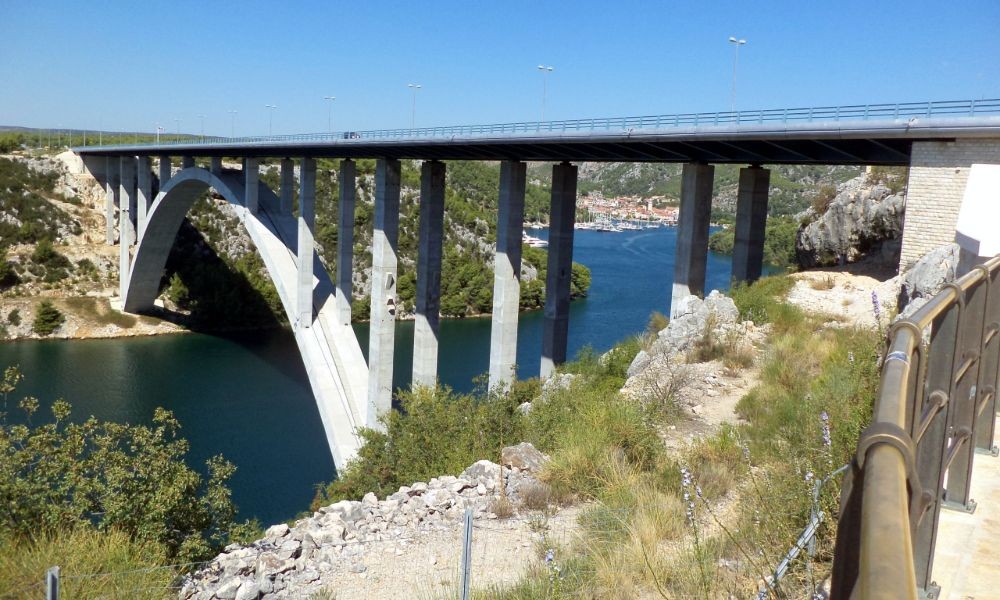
[248, 398]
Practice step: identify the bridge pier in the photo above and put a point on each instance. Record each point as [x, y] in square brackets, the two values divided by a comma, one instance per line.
[126, 225]
[345, 241]
[428, 300]
[111, 199]
[144, 187]
[164, 168]
[251, 175]
[216, 165]
[692, 233]
[127, 199]
[187, 162]
[507, 274]
[287, 185]
[751, 222]
[382, 328]
[306, 244]
[562, 211]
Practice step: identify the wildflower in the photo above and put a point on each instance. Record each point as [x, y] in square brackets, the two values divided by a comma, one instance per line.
[876, 306]
[825, 418]
[809, 476]
[746, 453]
[550, 555]
[850, 357]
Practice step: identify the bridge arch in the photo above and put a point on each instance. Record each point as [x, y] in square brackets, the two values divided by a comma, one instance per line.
[330, 352]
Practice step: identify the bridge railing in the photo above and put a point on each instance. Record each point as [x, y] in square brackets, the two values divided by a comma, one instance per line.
[863, 112]
[935, 407]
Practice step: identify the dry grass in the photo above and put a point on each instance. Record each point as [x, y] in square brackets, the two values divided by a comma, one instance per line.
[82, 552]
[99, 311]
[536, 496]
[502, 507]
[824, 283]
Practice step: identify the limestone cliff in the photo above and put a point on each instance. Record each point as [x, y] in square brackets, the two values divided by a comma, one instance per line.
[863, 218]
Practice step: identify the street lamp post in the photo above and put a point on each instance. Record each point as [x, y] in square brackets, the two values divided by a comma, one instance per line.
[177, 126]
[202, 117]
[545, 85]
[329, 113]
[158, 130]
[736, 59]
[413, 109]
[270, 117]
[232, 123]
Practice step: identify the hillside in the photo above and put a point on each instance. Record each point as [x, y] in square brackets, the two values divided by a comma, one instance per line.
[792, 186]
[52, 247]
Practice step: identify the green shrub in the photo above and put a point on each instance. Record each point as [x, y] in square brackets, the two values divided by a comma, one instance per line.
[114, 477]
[824, 196]
[47, 318]
[894, 178]
[434, 432]
[762, 300]
[14, 317]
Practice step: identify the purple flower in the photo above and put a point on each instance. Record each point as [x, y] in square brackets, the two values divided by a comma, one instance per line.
[550, 555]
[825, 418]
[876, 306]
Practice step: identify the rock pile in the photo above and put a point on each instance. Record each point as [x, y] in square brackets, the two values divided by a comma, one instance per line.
[288, 561]
[685, 329]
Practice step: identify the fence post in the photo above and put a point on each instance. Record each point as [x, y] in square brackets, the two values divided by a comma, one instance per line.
[52, 584]
[467, 555]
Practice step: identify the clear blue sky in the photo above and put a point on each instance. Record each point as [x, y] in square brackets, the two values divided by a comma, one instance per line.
[131, 64]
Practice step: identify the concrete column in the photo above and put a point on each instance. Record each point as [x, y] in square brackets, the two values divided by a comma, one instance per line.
[507, 274]
[382, 328]
[306, 245]
[287, 184]
[144, 178]
[345, 241]
[555, 327]
[428, 301]
[251, 174]
[216, 165]
[126, 224]
[751, 220]
[692, 233]
[128, 200]
[187, 162]
[111, 200]
[164, 170]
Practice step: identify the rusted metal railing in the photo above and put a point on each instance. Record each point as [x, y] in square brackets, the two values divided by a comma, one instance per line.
[935, 408]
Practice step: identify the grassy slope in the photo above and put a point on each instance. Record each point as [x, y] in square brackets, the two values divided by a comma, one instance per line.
[606, 450]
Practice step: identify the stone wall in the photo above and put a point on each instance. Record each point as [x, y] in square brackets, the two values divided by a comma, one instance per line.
[938, 174]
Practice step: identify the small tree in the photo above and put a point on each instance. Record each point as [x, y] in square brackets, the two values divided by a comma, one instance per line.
[47, 318]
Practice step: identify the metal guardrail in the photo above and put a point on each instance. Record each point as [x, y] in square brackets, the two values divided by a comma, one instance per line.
[862, 112]
[936, 405]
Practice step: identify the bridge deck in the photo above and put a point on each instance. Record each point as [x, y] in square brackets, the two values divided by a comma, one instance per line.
[965, 562]
[876, 134]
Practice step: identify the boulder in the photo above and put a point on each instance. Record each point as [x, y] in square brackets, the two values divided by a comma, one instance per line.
[523, 456]
[860, 220]
[349, 510]
[483, 471]
[926, 278]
